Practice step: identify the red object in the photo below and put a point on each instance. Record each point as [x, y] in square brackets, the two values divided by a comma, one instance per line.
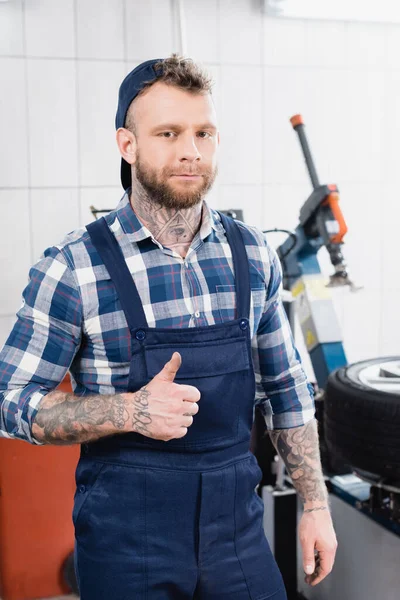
[37, 485]
[297, 120]
[333, 202]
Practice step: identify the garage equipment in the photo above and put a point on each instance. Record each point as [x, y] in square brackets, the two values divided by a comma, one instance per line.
[358, 411]
[321, 223]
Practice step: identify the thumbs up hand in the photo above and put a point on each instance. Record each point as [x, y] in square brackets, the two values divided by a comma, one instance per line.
[162, 409]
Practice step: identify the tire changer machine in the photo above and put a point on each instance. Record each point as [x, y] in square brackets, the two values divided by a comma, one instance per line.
[367, 527]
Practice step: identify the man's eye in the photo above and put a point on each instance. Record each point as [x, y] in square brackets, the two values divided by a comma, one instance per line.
[167, 134]
[206, 134]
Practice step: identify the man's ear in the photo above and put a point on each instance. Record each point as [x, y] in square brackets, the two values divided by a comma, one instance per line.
[127, 144]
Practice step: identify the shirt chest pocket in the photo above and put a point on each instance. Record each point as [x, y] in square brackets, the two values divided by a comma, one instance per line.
[226, 302]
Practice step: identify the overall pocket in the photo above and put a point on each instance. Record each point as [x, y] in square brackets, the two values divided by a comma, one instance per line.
[220, 370]
[86, 477]
[110, 520]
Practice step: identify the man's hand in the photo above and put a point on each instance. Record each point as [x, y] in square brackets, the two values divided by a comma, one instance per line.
[163, 410]
[318, 542]
[299, 449]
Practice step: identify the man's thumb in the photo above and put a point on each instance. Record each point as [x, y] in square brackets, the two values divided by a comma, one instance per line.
[309, 563]
[171, 368]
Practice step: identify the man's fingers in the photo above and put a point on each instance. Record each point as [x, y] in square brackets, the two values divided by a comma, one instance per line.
[194, 409]
[189, 393]
[324, 565]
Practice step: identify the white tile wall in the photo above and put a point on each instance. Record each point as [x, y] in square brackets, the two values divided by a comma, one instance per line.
[361, 325]
[281, 204]
[50, 28]
[388, 205]
[15, 247]
[390, 323]
[53, 131]
[98, 83]
[150, 30]
[240, 122]
[365, 45]
[361, 205]
[325, 44]
[284, 42]
[100, 29]
[391, 124]
[60, 207]
[247, 197]
[215, 72]
[392, 39]
[202, 20]
[365, 136]
[11, 29]
[61, 65]
[239, 44]
[105, 198]
[13, 123]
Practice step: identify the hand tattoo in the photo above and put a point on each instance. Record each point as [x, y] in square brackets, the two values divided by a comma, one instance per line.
[141, 415]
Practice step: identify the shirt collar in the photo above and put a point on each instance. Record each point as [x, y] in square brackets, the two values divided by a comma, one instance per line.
[136, 231]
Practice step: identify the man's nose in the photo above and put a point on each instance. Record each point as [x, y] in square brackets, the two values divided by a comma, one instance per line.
[189, 150]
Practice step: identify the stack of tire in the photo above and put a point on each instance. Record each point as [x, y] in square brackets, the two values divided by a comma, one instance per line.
[362, 417]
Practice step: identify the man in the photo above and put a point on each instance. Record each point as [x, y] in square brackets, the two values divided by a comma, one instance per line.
[168, 316]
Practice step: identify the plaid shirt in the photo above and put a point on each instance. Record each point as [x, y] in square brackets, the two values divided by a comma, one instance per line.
[71, 318]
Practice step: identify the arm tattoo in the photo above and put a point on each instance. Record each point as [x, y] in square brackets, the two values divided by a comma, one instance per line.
[63, 418]
[316, 508]
[299, 449]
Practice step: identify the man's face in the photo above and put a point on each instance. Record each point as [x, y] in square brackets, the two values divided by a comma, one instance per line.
[177, 141]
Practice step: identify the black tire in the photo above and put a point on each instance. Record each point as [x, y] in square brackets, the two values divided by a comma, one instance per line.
[70, 575]
[362, 423]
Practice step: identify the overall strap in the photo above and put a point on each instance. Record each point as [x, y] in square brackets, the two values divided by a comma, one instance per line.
[111, 254]
[240, 266]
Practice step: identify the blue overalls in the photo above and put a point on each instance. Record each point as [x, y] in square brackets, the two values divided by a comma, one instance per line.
[180, 519]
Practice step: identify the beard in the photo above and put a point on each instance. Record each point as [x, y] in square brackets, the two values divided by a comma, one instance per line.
[160, 190]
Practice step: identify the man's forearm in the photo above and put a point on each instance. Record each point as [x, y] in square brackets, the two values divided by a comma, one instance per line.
[299, 449]
[64, 418]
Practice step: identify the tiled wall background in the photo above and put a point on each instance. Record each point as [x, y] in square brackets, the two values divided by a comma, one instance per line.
[61, 63]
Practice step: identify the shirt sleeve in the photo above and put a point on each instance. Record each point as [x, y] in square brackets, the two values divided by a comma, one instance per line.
[41, 345]
[283, 393]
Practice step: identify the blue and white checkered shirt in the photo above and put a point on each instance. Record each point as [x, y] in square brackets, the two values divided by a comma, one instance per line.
[71, 318]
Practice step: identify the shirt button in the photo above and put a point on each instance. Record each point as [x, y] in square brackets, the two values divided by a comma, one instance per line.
[197, 314]
[243, 324]
[82, 489]
[140, 334]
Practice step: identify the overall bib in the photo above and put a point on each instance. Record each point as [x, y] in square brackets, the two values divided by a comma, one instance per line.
[180, 519]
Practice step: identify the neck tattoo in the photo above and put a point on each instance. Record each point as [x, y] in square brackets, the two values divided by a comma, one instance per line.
[174, 228]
